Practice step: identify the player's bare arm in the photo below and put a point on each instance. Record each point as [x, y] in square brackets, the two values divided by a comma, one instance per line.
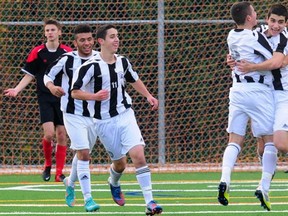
[141, 88]
[82, 95]
[13, 92]
[230, 61]
[55, 90]
[275, 62]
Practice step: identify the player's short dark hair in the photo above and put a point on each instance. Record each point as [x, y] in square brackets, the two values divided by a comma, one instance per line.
[239, 11]
[102, 31]
[52, 21]
[82, 28]
[278, 9]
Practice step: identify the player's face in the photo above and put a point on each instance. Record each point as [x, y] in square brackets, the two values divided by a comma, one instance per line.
[84, 43]
[253, 16]
[52, 32]
[111, 41]
[276, 24]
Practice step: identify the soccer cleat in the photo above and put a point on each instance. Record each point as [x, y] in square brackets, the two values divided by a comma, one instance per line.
[46, 175]
[59, 178]
[91, 205]
[117, 194]
[264, 199]
[152, 208]
[223, 193]
[70, 193]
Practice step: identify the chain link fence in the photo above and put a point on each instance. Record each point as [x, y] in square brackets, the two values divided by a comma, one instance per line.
[178, 48]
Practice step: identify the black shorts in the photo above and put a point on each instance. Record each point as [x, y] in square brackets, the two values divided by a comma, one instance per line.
[49, 106]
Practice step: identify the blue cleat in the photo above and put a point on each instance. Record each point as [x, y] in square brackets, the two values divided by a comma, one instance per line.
[117, 194]
[152, 208]
[70, 193]
[91, 205]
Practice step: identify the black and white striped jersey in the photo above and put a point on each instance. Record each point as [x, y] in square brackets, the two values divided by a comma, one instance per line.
[280, 76]
[251, 46]
[95, 75]
[65, 67]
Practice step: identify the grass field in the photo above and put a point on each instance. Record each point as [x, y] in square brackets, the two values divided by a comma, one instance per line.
[179, 194]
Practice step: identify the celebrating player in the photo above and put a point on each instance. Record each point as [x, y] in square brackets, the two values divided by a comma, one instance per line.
[102, 80]
[250, 98]
[80, 126]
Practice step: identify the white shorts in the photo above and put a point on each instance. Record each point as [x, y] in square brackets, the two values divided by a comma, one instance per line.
[81, 131]
[281, 110]
[255, 105]
[119, 134]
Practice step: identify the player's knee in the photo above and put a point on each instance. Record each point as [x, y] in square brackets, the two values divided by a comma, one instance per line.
[282, 147]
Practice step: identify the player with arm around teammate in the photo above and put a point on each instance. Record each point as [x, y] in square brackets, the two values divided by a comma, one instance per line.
[117, 128]
[250, 98]
[51, 116]
[80, 126]
[276, 33]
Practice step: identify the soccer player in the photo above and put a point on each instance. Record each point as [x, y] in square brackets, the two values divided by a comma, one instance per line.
[79, 125]
[107, 73]
[250, 98]
[275, 31]
[51, 116]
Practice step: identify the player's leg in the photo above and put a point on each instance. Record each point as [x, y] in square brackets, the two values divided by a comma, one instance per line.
[262, 119]
[79, 129]
[229, 159]
[109, 135]
[47, 119]
[237, 123]
[116, 170]
[260, 148]
[47, 143]
[281, 140]
[269, 166]
[143, 176]
[60, 154]
[69, 183]
[61, 139]
[134, 144]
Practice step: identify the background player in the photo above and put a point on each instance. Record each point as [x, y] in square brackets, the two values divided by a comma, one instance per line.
[50, 114]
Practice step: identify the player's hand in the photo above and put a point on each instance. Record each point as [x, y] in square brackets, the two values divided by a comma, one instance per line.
[102, 95]
[244, 66]
[230, 61]
[11, 92]
[153, 102]
[57, 91]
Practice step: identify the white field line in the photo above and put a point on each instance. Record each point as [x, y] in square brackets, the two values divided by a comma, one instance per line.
[141, 213]
[211, 187]
[250, 184]
[136, 204]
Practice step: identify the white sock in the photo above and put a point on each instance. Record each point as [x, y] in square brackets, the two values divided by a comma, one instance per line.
[83, 172]
[229, 159]
[114, 177]
[269, 165]
[143, 176]
[73, 173]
